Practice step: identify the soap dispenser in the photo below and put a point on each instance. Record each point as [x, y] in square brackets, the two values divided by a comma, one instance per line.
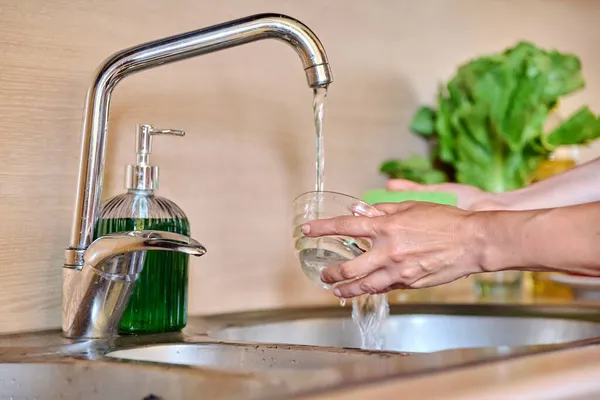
[159, 299]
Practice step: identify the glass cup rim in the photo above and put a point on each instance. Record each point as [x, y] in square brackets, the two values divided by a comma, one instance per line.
[330, 192]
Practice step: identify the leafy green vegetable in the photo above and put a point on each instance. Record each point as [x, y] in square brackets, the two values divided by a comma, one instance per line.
[423, 121]
[418, 169]
[581, 128]
[490, 118]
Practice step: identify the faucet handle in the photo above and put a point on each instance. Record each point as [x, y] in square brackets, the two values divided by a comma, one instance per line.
[98, 294]
[123, 245]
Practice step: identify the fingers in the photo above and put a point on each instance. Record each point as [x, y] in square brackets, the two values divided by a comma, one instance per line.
[365, 210]
[352, 269]
[444, 276]
[346, 225]
[375, 283]
[405, 184]
[391, 208]
[406, 275]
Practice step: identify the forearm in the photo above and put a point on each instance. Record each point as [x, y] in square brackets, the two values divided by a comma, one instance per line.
[561, 239]
[576, 186]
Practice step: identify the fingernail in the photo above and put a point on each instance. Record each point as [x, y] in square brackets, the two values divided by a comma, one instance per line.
[324, 278]
[305, 229]
[365, 210]
[337, 292]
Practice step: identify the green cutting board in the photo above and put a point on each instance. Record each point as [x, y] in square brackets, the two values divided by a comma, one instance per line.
[386, 196]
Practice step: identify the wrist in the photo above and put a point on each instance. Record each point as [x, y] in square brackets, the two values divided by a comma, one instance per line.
[498, 239]
[513, 200]
[496, 202]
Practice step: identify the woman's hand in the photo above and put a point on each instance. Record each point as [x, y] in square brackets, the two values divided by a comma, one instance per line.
[469, 197]
[415, 245]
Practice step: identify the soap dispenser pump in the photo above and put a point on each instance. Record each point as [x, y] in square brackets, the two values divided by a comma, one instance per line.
[159, 299]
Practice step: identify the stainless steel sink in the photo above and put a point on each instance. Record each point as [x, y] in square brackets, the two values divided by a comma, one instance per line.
[100, 380]
[422, 332]
[283, 353]
[180, 367]
[245, 358]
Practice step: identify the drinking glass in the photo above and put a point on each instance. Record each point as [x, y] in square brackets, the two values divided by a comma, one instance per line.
[316, 254]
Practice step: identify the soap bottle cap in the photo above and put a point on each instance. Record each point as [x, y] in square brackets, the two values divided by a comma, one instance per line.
[142, 175]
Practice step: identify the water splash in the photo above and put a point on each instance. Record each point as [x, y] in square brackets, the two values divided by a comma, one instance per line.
[369, 313]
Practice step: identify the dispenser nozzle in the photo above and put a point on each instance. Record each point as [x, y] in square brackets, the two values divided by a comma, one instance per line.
[142, 175]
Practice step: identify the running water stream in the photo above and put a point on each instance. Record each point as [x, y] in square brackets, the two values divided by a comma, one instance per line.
[369, 312]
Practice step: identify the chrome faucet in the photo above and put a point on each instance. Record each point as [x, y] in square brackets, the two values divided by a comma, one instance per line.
[98, 276]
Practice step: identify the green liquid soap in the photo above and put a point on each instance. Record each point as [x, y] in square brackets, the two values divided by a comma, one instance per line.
[159, 299]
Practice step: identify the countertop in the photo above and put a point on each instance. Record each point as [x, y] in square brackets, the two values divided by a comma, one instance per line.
[567, 374]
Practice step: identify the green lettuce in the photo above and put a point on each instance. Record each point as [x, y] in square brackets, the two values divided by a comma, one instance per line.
[488, 128]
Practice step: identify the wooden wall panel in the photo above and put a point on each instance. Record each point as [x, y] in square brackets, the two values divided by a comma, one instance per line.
[247, 111]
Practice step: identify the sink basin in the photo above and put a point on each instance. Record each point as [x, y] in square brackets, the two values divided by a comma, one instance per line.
[420, 333]
[154, 368]
[283, 368]
[245, 358]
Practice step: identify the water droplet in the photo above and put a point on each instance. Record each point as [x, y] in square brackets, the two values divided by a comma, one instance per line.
[342, 302]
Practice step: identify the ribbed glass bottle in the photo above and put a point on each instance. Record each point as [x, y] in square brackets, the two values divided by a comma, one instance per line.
[159, 300]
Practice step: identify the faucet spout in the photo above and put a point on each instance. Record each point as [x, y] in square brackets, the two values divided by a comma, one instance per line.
[161, 52]
[99, 293]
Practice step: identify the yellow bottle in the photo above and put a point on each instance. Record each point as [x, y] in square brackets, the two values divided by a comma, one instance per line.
[561, 160]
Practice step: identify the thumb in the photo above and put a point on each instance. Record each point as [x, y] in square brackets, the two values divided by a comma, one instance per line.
[392, 208]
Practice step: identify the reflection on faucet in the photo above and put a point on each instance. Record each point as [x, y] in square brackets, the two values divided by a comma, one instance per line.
[112, 264]
[95, 275]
